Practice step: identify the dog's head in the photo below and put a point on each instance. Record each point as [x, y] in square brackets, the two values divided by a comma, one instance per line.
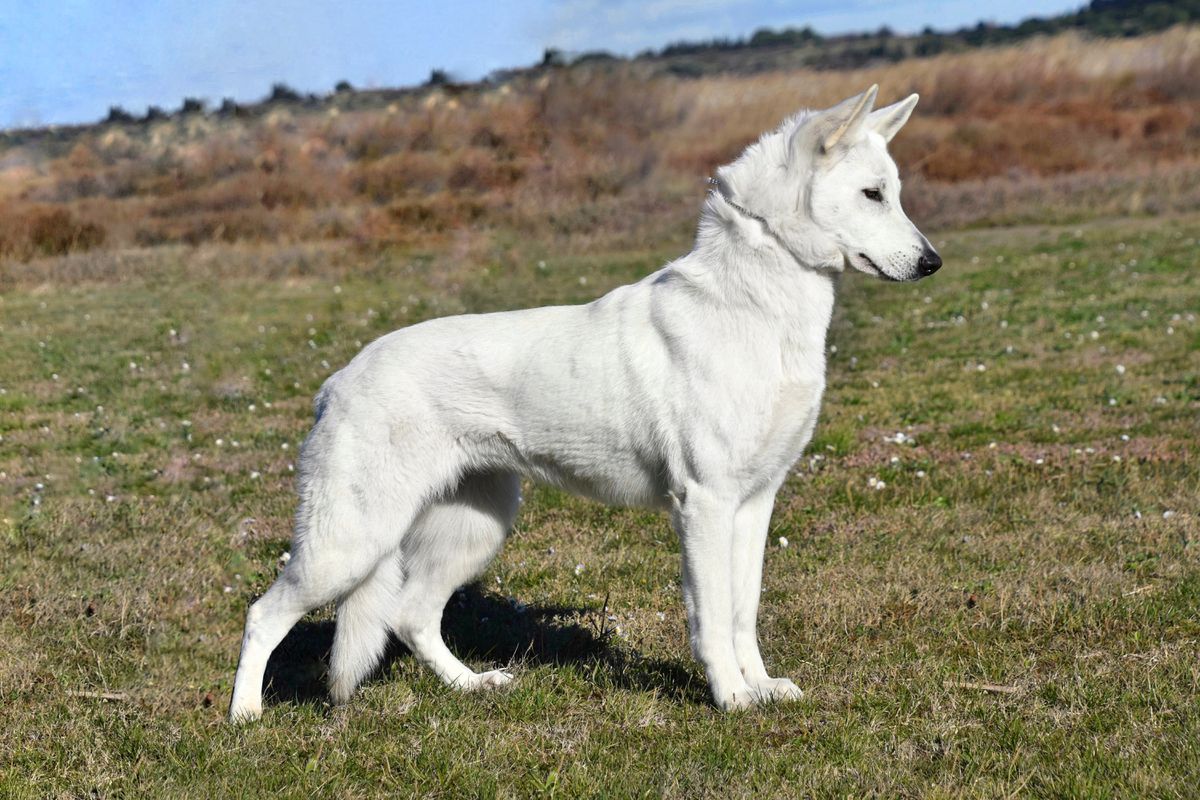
[826, 184]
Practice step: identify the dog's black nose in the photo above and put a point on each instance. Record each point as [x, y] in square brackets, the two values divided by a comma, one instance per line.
[929, 263]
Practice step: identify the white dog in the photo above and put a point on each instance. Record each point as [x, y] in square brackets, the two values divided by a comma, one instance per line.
[692, 390]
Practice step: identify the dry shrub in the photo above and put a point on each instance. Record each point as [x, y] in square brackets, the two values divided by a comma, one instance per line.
[250, 224]
[398, 174]
[48, 231]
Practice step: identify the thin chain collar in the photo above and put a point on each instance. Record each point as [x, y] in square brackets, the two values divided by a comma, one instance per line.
[719, 190]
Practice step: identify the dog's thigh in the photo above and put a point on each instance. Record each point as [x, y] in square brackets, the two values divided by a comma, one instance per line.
[450, 544]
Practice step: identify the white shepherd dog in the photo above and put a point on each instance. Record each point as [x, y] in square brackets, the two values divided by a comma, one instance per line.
[693, 390]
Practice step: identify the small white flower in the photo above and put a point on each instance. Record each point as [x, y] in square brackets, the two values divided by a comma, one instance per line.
[254, 475]
[1168, 514]
[227, 589]
[579, 568]
[920, 473]
[783, 541]
[1120, 369]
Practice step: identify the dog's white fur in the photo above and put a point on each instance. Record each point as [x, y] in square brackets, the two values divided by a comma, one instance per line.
[693, 390]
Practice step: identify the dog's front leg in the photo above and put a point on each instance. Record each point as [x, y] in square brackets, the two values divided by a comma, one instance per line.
[751, 526]
[704, 521]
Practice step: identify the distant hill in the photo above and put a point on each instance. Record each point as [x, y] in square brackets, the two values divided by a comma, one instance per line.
[803, 47]
[767, 49]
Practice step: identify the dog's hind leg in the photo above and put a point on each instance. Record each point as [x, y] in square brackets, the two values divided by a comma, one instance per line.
[452, 541]
[303, 586]
[351, 518]
[362, 628]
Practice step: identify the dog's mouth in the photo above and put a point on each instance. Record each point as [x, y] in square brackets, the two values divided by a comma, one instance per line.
[866, 259]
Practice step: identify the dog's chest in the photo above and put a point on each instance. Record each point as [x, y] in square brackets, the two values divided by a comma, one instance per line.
[793, 405]
[794, 413]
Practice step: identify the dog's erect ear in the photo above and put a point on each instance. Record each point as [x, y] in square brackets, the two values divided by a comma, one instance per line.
[888, 120]
[825, 131]
[845, 119]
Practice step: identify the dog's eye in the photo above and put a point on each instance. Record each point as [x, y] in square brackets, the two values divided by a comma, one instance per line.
[873, 194]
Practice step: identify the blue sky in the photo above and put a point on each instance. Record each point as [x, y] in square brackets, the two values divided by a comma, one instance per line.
[67, 61]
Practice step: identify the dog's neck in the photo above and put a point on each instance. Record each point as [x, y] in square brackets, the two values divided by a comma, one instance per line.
[746, 263]
[804, 244]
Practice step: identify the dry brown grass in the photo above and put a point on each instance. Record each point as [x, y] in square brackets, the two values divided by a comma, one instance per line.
[608, 155]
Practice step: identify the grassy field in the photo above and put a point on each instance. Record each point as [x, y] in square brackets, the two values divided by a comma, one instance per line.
[985, 572]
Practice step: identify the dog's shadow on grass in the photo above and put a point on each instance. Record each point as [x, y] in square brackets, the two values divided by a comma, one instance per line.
[484, 629]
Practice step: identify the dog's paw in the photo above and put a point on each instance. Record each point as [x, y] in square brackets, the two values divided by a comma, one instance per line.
[494, 679]
[736, 700]
[775, 690]
[244, 714]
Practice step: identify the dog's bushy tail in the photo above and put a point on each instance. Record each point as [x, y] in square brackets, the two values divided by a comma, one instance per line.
[362, 629]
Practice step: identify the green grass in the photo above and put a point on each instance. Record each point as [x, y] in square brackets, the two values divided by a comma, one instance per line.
[1037, 531]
